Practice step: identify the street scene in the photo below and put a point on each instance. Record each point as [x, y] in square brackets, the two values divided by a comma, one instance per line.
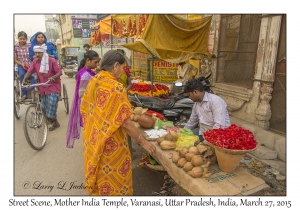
[57, 170]
[151, 105]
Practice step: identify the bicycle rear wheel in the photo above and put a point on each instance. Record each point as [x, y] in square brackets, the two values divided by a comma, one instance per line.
[17, 106]
[35, 127]
[66, 99]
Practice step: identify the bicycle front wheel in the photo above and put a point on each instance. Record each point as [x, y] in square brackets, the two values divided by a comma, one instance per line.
[66, 99]
[35, 127]
[17, 111]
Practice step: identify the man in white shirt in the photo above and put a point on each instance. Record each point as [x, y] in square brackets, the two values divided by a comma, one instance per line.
[209, 110]
[184, 71]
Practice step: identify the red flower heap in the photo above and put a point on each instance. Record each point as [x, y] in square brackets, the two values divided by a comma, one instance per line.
[234, 137]
[144, 89]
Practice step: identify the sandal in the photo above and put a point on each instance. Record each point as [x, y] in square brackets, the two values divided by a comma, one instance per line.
[54, 126]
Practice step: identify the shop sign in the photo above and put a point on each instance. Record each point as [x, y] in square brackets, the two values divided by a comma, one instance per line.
[164, 71]
[84, 16]
[140, 66]
[82, 27]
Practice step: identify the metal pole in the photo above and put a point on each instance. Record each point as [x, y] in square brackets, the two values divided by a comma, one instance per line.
[62, 36]
[132, 62]
[111, 37]
[152, 87]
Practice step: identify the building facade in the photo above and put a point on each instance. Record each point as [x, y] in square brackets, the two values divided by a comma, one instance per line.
[249, 72]
[64, 23]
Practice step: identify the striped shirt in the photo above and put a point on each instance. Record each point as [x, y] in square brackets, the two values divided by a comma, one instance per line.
[22, 53]
[210, 113]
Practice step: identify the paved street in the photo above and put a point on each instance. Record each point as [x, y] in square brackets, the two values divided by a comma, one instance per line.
[53, 165]
[57, 170]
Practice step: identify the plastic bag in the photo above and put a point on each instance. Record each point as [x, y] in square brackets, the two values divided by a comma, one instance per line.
[186, 141]
[186, 131]
[159, 124]
[170, 128]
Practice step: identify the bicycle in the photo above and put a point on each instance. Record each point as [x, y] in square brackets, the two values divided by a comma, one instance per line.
[18, 101]
[35, 120]
[35, 123]
[17, 96]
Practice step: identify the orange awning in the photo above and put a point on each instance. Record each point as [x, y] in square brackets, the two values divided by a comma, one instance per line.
[104, 25]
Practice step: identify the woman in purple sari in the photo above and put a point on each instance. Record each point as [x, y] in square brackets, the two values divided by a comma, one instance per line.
[90, 61]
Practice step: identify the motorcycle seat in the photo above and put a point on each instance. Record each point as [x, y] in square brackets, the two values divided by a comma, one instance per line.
[156, 103]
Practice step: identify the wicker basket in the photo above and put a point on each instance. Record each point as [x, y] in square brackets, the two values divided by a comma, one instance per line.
[228, 160]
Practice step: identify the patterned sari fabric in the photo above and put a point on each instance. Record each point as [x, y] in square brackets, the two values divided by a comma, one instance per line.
[107, 159]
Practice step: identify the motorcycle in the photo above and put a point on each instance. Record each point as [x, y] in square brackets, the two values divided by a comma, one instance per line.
[177, 109]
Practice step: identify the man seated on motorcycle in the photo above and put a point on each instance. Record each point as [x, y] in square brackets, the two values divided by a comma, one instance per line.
[209, 110]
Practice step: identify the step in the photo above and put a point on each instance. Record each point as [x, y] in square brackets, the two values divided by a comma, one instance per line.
[277, 164]
[264, 153]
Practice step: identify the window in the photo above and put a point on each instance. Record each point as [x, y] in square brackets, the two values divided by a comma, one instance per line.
[237, 50]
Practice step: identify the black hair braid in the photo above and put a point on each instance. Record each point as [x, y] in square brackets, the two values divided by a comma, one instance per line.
[91, 54]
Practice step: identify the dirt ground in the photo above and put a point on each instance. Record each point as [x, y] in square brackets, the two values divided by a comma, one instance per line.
[276, 181]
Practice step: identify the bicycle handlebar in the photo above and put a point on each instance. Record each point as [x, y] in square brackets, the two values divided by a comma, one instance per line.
[34, 85]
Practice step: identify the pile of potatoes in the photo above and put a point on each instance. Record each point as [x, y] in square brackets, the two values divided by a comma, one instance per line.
[196, 160]
[137, 112]
[168, 141]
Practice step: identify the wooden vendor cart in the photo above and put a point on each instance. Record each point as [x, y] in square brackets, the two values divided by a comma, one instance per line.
[239, 182]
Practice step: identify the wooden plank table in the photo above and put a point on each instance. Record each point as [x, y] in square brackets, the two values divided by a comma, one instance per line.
[239, 182]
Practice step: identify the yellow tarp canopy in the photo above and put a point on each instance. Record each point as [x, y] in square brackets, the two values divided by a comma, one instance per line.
[173, 39]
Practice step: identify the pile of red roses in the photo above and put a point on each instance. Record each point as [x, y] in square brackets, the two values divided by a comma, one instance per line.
[156, 114]
[144, 89]
[234, 137]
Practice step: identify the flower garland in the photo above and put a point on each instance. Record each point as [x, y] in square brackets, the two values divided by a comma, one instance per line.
[144, 89]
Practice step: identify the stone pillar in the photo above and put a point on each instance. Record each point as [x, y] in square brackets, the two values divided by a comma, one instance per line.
[265, 67]
[222, 47]
[263, 111]
[216, 29]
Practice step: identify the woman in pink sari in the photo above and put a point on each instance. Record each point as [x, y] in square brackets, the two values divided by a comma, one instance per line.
[90, 61]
